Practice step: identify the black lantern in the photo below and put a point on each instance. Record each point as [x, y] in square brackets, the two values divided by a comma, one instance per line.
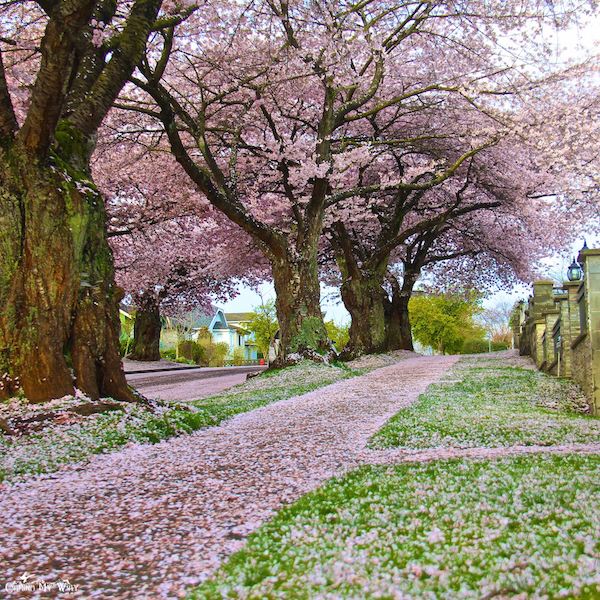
[574, 271]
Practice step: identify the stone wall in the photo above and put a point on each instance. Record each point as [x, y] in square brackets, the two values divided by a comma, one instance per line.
[560, 327]
[582, 365]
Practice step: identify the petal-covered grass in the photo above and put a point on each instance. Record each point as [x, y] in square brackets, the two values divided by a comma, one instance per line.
[58, 444]
[445, 529]
[488, 404]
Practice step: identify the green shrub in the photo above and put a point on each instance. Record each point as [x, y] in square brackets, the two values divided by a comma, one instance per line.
[239, 357]
[189, 350]
[168, 354]
[338, 334]
[220, 351]
[475, 346]
[211, 354]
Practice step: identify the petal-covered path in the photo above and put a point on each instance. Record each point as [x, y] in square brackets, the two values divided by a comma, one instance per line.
[148, 521]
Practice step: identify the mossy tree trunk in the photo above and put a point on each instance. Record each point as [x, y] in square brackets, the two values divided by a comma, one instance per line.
[146, 332]
[363, 297]
[362, 294]
[301, 326]
[59, 323]
[59, 301]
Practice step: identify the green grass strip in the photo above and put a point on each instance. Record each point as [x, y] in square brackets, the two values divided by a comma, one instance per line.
[446, 529]
[54, 446]
[493, 406]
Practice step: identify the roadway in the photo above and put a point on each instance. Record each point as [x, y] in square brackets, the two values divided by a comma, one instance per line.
[187, 383]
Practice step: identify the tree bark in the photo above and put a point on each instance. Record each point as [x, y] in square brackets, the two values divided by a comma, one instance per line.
[301, 326]
[57, 293]
[398, 332]
[363, 297]
[58, 301]
[146, 333]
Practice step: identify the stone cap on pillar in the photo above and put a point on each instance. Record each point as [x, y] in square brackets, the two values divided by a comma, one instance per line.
[543, 282]
[583, 254]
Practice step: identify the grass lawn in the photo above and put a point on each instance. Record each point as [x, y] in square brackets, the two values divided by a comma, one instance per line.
[489, 404]
[58, 444]
[447, 529]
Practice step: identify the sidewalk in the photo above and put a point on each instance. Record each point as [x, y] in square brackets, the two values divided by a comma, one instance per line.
[149, 521]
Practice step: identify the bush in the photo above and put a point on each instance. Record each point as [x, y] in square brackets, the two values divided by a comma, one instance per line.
[211, 354]
[219, 352]
[168, 354]
[189, 350]
[239, 357]
[481, 346]
[338, 334]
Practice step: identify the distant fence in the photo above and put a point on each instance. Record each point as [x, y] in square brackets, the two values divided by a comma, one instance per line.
[559, 327]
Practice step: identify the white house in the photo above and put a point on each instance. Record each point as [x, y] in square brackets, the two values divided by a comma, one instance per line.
[226, 327]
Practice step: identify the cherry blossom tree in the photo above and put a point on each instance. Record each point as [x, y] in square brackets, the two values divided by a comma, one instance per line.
[173, 253]
[63, 63]
[415, 229]
[505, 207]
[274, 110]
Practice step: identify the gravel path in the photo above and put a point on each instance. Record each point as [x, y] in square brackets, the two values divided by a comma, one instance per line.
[148, 521]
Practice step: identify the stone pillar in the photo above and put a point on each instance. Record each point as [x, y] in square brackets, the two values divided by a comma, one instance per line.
[589, 337]
[524, 336]
[541, 301]
[569, 325]
[517, 318]
[549, 357]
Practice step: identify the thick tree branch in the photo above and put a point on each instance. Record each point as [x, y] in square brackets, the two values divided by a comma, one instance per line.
[91, 112]
[67, 19]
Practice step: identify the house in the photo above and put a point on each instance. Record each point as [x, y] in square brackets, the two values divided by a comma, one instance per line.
[229, 328]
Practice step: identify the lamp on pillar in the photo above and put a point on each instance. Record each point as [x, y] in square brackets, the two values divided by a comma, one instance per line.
[574, 271]
[585, 246]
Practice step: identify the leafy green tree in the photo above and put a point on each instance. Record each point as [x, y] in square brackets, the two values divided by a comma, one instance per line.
[338, 334]
[445, 321]
[264, 325]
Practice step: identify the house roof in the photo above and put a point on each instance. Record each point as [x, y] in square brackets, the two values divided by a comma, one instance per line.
[239, 317]
[197, 319]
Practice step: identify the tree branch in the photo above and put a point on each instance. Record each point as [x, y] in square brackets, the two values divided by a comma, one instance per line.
[91, 112]
[67, 19]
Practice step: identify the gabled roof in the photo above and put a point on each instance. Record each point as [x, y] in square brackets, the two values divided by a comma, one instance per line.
[197, 319]
[239, 317]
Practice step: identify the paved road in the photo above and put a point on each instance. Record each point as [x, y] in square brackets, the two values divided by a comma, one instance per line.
[189, 384]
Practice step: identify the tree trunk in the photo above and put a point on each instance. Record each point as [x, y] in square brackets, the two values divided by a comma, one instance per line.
[57, 293]
[146, 333]
[363, 297]
[301, 326]
[398, 331]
